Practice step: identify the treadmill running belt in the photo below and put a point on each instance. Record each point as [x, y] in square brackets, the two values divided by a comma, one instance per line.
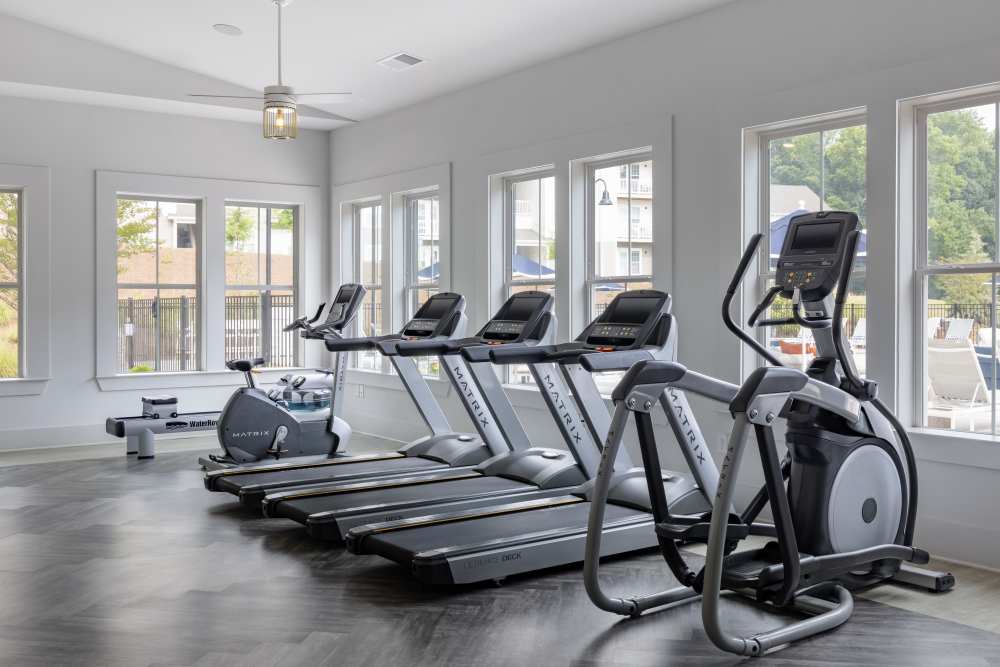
[403, 545]
[283, 478]
[299, 509]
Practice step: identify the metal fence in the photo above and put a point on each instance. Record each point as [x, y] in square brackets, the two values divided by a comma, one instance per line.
[159, 334]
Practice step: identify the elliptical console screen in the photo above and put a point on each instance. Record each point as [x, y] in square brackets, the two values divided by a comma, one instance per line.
[339, 306]
[521, 309]
[820, 238]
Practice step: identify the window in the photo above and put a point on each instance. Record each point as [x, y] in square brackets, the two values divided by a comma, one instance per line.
[423, 270]
[620, 230]
[530, 231]
[10, 285]
[157, 285]
[822, 167]
[260, 283]
[368, 271]
[957, 269]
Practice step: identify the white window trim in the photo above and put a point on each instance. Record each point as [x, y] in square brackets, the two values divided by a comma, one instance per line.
[384, 279]
[411, 283]
[212, 195]
[624, 159]
[269, 286]
[913, 207]
[756, 198]
[34, 233]
[509, 218]
[392, 190]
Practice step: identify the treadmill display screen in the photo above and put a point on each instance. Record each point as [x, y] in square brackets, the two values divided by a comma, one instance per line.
[435, 308]
[816, 239]
[632, 310]
[520, 309]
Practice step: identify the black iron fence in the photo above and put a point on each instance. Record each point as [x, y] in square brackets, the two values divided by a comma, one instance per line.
[159, 334]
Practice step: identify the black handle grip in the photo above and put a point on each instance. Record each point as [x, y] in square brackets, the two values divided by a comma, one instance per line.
[647, 372]
[424, 348]
[337, 344]
[519, 354]
[618, 360]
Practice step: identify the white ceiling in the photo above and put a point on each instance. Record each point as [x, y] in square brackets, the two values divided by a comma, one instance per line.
[333, 45]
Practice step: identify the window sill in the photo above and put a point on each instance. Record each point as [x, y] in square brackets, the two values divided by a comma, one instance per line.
[974, 450]
[186, 379]
[23, 386]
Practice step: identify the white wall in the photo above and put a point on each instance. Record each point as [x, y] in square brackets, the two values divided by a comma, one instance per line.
[752, 62]
[76, 140]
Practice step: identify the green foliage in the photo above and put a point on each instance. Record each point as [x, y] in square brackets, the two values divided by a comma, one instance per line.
[8, 247]
[8, 360]
[135, 222]
[8, 314]
[141, 368]
[240, 226]
[285, 219]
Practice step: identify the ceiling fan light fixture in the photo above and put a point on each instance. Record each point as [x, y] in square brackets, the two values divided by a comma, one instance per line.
[281, 120]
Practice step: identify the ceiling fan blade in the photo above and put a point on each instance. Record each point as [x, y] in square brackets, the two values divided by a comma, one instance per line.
[343, 118]
[323, 98]
[330, 94]
[228, 97]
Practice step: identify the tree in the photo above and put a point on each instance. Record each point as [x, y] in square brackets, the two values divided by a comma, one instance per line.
[240, 226]
[284, 220]
[8, 249]
[136, 219]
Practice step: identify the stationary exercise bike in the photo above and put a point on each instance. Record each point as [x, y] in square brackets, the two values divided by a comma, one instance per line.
[299, 416]
[843, 499]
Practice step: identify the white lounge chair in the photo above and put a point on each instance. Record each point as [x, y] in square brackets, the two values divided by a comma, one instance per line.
[985, 337]
[958, 328]
[859, 334]
[933, 324]
[956, 387]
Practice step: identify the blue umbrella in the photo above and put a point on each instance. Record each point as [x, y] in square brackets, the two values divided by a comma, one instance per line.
[779, 228]
[526, 266]
[432, 272]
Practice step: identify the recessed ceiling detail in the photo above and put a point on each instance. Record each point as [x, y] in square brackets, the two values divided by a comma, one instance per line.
[227, 29]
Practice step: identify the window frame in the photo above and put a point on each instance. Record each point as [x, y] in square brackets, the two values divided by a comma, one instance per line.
[757, 174]
[270, 286]
[509, 232]
[18, 283]
[923, 270]
[592, 280]
[411, 283]
[198, 287]
[385, 270]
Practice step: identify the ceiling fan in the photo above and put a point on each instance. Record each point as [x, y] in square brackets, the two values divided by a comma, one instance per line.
[281, 119]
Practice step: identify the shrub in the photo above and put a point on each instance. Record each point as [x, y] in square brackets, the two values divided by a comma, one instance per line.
[141, 368]
[8, 361]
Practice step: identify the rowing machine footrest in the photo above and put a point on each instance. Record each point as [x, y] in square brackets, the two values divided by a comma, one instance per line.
[698, 532]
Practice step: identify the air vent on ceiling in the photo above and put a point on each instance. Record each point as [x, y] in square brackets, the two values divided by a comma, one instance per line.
[400, 61]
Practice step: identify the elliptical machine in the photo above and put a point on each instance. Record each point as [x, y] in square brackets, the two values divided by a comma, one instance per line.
[299, 416]
[843, 499]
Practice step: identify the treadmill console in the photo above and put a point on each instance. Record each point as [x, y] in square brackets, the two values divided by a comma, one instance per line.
[434, 315]
[811, 255]
[628, 322]
[517, 318]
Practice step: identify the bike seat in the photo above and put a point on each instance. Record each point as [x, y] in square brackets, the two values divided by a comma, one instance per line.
[244, 365]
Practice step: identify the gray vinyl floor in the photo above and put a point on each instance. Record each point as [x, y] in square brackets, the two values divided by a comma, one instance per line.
[110, 561]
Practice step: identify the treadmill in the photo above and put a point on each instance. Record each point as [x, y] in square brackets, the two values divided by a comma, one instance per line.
[523, 471]
[441, 317]
[515, 537]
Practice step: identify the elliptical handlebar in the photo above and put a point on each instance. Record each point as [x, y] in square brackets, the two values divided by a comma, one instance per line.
[843, 283]
[734, 285]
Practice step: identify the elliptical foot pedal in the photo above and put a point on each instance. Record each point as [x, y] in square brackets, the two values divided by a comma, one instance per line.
[698, 532]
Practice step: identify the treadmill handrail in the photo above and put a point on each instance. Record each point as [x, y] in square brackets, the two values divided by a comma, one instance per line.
[337, 344]
[508, 355]
[596, 361]
[427, 348]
